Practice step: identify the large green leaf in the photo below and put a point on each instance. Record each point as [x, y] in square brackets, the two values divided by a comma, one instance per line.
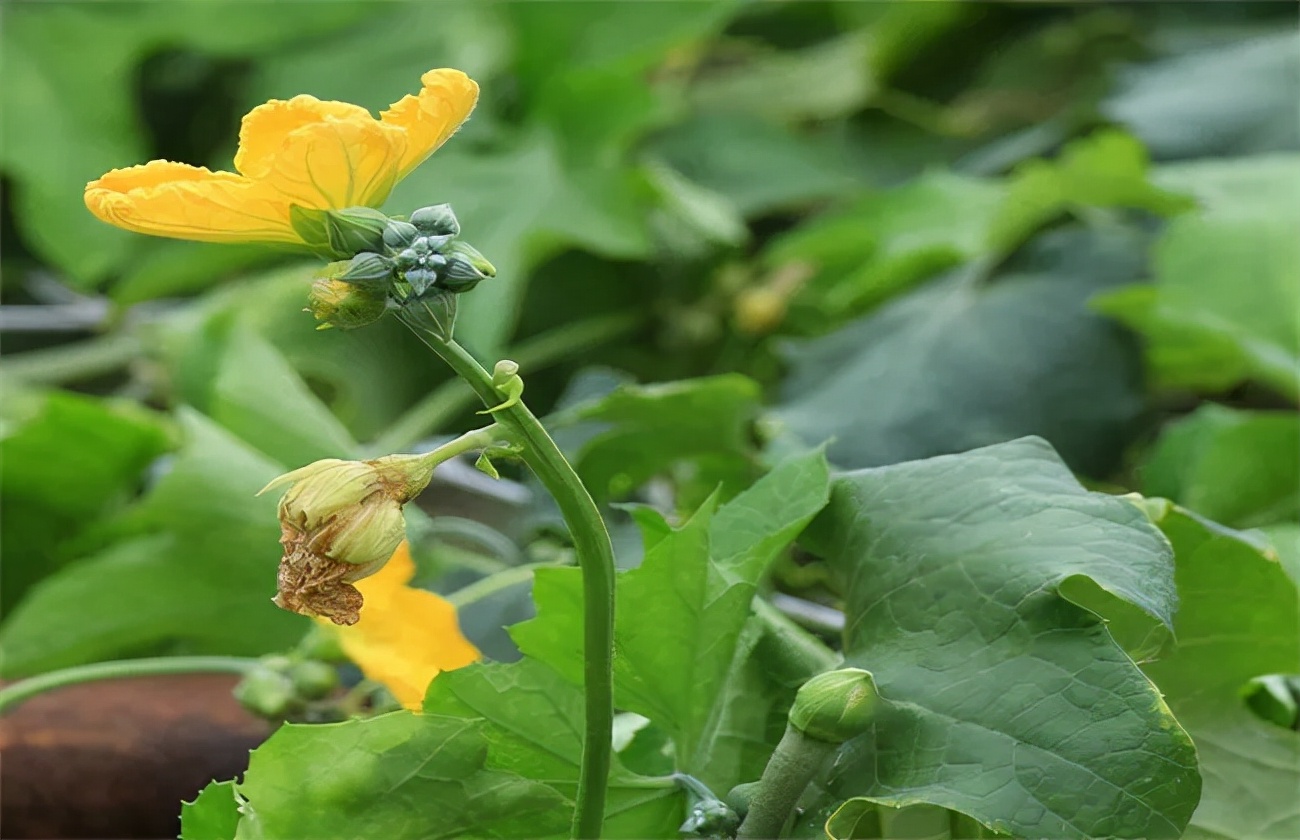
[1223, 307]
[683, 610]
[1238, 467]
[971, 360]
[258, 396]
[395, 777]
[532, 719]
[1003, 699]
[1239, 618]
[648, 430]
[194, 568]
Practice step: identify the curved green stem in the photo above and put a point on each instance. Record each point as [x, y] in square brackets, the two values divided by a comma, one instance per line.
[795, 762]
[16, 693]
[595, 556]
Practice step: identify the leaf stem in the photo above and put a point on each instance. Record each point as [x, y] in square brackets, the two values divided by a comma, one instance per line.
[12, 695]
[595, 557]
[494, 583]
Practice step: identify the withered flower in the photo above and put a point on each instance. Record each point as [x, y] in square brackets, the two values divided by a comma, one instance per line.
[341, 521]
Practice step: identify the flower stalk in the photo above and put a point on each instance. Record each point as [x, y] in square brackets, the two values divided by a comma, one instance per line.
[595, 557]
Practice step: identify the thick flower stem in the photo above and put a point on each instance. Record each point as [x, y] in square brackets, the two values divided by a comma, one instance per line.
[596, 558]
[16, 693]
[795, 762]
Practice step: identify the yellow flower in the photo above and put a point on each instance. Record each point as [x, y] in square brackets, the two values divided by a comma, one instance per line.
[406, 636]
[303, 152]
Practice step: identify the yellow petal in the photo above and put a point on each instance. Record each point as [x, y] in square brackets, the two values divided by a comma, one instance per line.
[337, 163]
[162, 198]
[444, 103]
[265, 128]
[406, 636]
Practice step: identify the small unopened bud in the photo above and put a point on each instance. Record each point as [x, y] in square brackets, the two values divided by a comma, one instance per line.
[338, 303]
[266, 692]
[339, 234]
[465, 268]
[370, 270]
[399, 234]
[835, 706]
[340, 521]
[436, 220]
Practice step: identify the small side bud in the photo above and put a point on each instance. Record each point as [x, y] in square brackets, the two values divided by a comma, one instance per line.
[437, 220]
[370, 270]
[267, 693]
[338, 303]
[399, 234]
[466, 267]
[835, 706]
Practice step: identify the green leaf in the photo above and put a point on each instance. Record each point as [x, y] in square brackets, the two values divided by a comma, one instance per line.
[213, 815]
[532, 719]
[1237, 620]
[757, 165]
[827, 80]
[1106, 169]
[882, 244]
[1238, 467]
[194, 568]
[685, 607]
[258, 396]
[394, 777]
[1223, 100]
[971, 360]
[1222, 310]
[653, 428]
[1004, 700]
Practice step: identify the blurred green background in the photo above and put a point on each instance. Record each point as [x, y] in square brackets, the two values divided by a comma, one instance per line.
[912, 228]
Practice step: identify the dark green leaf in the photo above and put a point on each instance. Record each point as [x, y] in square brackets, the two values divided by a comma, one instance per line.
[213, 815]
[394, 777]
[968, 361]
[1241, 468]
[1237, 621]
[1004, 700]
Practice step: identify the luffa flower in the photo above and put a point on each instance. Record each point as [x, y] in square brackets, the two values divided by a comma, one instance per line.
[302, 152]
[406, 636]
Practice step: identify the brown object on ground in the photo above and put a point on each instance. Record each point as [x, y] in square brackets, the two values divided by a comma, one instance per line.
[114, 759]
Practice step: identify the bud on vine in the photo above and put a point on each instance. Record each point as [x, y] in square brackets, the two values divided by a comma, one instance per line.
[339, 234]
[835, 706]
[437, 220]
[465, 268]
[337, 303]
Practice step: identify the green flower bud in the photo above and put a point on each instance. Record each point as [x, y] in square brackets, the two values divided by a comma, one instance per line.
[338, 303]
[835, 706]
[339, 234]
[266, 693]
[465, 268]
[399, 234]
[341, 521]
[369, 269]
[436, 220]
[313, 680]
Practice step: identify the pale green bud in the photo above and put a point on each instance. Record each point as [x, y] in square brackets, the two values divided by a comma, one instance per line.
[465, 268]
[369, 269]
[437, 220]
[338, 303]
[835, 706]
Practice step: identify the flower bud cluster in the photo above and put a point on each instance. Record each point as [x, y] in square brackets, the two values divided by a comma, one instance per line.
[404, 259]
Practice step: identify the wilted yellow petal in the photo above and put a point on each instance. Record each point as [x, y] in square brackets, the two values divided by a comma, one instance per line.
[432, 116]
[176, 200]
[406, 636]
[265, 128]
[337, 163]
